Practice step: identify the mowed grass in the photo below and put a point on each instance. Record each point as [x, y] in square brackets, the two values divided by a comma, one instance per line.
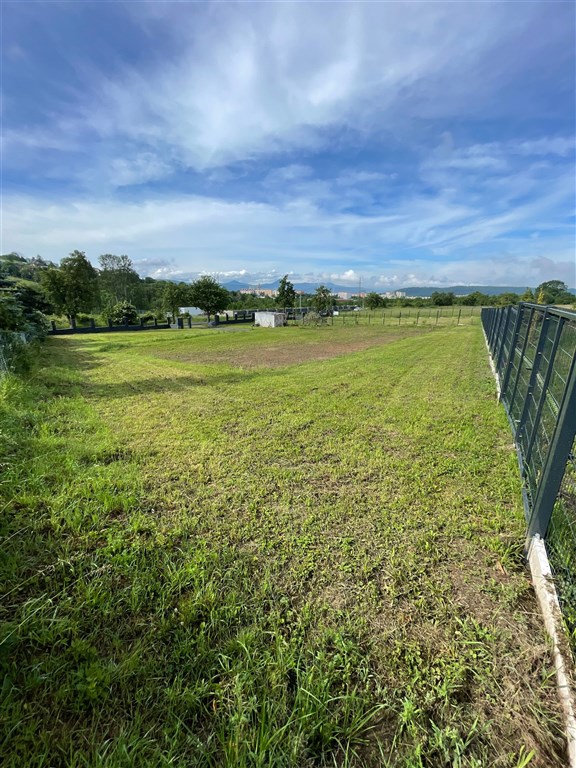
[256, 547]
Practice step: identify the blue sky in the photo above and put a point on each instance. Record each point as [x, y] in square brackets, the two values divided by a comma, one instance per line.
[409, 143]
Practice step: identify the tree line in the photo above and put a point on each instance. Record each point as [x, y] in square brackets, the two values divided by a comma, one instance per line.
[32, 288]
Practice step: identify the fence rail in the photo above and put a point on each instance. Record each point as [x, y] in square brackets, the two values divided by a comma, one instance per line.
[533, 349]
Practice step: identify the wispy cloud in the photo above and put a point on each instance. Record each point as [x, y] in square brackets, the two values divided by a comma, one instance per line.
[334, 140]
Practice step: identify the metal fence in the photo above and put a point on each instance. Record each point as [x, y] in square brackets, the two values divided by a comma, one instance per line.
[533, 349]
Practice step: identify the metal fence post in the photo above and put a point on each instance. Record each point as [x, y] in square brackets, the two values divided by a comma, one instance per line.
[556, 459]
[500, 348]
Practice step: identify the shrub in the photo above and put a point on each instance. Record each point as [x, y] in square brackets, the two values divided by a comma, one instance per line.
[313, 319]
[16, 354]
[123, 313]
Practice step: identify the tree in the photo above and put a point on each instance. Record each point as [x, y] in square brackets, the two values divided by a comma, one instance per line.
[442, 299]
[373, 300]
[73, 287]
[208, 295]
[286, 293]
[553, 292]
[118, 278]
[528, 295]
[322, 299]
[505, 299]
[174, 296]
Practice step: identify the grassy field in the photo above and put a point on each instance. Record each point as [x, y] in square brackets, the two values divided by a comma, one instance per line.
[254, 547]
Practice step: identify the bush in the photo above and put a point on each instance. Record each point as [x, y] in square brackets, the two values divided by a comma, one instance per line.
[313, 319]
[123, 313]
[16, 354]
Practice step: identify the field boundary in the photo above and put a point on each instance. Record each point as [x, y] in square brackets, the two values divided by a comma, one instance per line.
[549, 603]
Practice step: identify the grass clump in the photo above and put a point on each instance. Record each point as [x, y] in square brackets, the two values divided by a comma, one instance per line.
[267, 548]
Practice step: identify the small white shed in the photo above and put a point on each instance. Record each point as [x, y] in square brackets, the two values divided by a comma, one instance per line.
[270, 319]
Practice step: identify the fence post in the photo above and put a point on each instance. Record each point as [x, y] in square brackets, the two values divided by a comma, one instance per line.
[503, 337]
[558, 454]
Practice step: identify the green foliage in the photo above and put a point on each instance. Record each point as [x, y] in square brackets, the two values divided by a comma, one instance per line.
[528, 295]
[286, 294]
[22, 304]
[373, 301]
[118, 278]
[322, 299]
[123, 313]
[313, 318]
[442, 298]
[475, 299]
[208, 295]
[14, 265]
[174, 296]
[553, 292]
[505, 299]
[73, 287]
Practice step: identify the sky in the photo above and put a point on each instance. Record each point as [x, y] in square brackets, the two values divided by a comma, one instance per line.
[396, 143]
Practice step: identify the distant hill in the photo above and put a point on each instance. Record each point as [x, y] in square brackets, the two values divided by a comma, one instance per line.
[457, 290]
[464, 290]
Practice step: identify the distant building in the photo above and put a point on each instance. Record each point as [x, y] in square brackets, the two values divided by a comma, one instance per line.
[261, 293]
[394, 295]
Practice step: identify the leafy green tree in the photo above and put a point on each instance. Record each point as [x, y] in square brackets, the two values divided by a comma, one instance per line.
[504, 299]
[442, 298]
[174, 296]
[322, 299]
[475, 299]
[72, 287]
[528, 295]
[286, 294]
[553, 292]
[118, 278]
[373, 300]
[208, 295]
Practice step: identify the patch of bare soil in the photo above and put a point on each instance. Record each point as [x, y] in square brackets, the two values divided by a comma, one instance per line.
[281, 354]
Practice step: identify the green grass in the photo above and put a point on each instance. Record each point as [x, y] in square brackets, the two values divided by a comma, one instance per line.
[255, 547]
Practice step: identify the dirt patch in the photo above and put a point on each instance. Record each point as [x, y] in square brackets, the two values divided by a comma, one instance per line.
[285, 352]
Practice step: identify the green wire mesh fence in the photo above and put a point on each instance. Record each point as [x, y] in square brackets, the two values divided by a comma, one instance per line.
[533, 349]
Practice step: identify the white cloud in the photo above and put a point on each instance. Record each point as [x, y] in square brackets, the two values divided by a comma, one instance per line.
[182, 235]
[247, 80]
[142, 168]
[559, 145]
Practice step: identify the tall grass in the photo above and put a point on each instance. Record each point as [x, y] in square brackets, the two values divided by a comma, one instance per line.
[213, 563]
